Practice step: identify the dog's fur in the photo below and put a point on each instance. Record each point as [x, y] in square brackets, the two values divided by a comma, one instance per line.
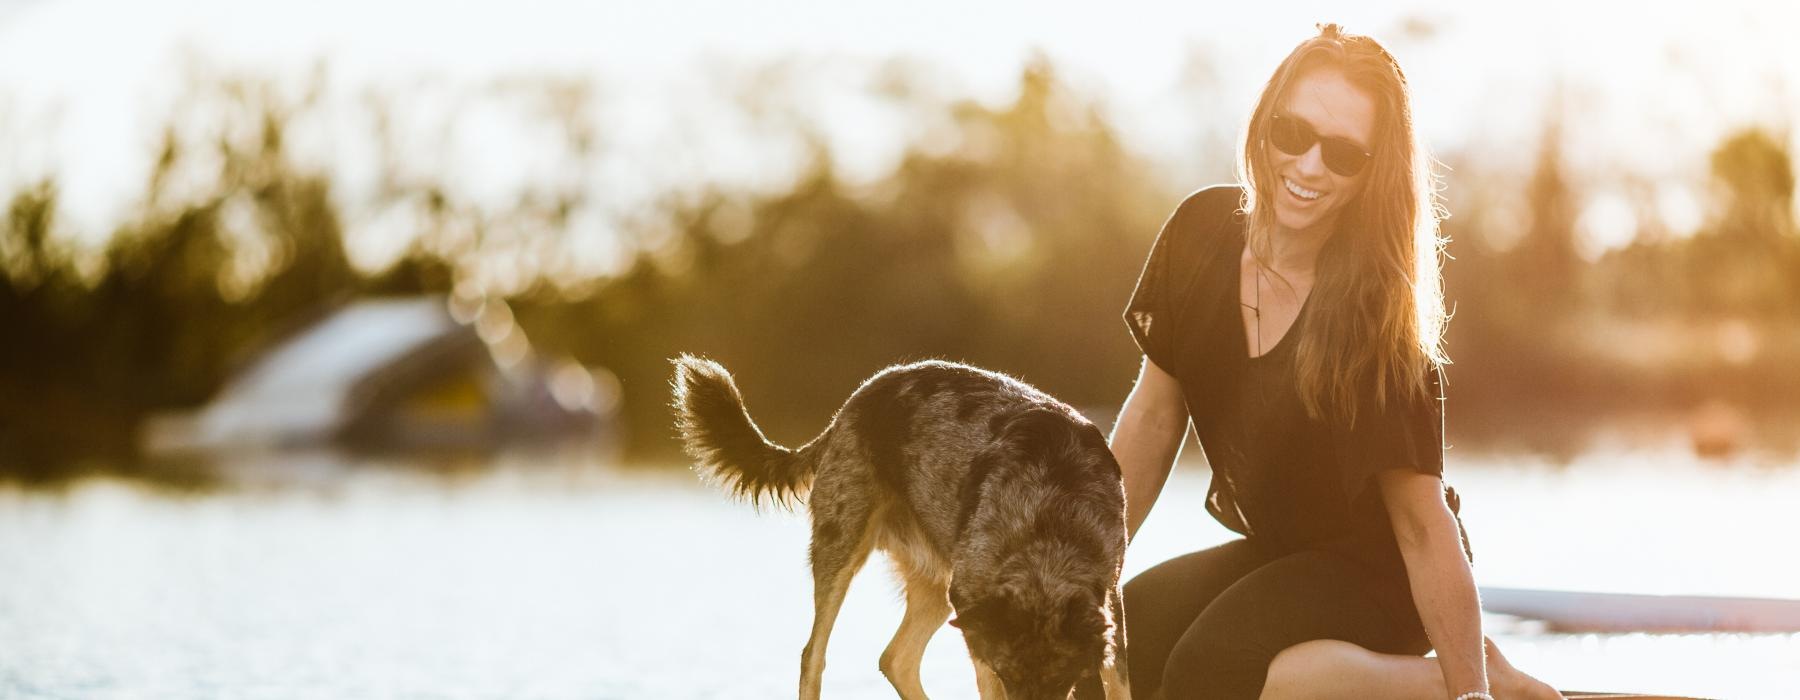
[992, 498]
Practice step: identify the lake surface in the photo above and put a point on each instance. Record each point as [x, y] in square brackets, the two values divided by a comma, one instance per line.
[559, 578]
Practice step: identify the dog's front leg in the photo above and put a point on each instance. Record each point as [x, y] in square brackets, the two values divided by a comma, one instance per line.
[1115, 674]
[987, 683]
[1112, 677]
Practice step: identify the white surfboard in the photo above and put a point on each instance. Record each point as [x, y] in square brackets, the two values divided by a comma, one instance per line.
[1575, 611]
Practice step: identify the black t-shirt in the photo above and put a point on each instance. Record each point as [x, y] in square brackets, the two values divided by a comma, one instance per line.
[1280, 477]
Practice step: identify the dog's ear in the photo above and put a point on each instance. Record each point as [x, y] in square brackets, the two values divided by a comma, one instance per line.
[994, 611]
[966, 614]
[1083, 619]
[1038, 431]
[962, 604]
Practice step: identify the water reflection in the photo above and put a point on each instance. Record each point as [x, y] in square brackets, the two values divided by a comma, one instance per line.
[554, 575]
[1711, 432]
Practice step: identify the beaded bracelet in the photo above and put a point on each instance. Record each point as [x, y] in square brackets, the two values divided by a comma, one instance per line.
[1474, 694]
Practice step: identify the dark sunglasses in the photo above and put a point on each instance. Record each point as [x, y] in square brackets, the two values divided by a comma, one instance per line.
[1295, 137]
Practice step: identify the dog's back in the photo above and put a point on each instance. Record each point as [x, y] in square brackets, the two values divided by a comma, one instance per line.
[922, 440]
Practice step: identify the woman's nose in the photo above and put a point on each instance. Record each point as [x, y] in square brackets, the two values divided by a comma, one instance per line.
[1312, 162]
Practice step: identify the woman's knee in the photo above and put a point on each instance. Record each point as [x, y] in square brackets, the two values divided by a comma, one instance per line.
[1162, 603]
[1304, 667]
[1214, 667]
[1215, 664]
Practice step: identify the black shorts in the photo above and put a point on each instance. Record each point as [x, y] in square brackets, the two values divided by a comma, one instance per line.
[1208, 624]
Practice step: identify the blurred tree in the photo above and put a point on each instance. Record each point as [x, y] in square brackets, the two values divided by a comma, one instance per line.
[1009, 236]
[1750, 264]
[175, 297]
[1545, 264]
[1757, 173]
[1014, 249]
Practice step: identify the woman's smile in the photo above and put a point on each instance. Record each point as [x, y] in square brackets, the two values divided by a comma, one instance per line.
[1306, 196]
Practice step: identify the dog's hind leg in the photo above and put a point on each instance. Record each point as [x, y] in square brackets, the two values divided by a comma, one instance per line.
[927, 607]
[840, 545]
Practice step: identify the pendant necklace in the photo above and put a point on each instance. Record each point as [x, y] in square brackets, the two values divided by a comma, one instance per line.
[1256, 385]
[1256, 310]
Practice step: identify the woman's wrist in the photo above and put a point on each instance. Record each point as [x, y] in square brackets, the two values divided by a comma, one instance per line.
[1475, 695]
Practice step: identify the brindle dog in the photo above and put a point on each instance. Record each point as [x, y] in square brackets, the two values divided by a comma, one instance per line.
[993, 499]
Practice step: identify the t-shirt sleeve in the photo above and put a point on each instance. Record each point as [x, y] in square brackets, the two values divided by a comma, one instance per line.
[1154, 314]
[1406, 433]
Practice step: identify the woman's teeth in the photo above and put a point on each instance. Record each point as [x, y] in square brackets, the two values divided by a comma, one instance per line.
[1299, 191]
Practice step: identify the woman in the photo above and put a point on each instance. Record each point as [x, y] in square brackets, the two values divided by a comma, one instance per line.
[1296, 322]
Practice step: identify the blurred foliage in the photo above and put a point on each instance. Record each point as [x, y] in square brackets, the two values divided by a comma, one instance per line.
[1011, 241]
[1013, 249]
[156, 316]
[1543, 338]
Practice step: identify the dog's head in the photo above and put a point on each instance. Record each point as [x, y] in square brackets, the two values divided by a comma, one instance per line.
[1039, 641]
[1042, 546]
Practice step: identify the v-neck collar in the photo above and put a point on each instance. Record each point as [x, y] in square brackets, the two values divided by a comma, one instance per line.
[1237, 300]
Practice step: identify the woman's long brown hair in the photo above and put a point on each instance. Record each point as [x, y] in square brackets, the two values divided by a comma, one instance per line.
[1377, 311]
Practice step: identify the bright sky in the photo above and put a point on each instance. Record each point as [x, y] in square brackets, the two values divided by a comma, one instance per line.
[85, 84]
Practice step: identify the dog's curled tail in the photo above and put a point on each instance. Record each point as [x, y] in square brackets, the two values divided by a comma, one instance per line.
[716, 431]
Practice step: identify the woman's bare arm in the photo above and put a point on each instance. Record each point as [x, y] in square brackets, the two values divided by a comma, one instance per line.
[1442, 584]
[1147, 438]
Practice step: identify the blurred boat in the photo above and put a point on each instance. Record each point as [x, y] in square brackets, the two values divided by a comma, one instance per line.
[397, 373]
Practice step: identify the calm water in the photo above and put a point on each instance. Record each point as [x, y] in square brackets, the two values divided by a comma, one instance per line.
[317, 578]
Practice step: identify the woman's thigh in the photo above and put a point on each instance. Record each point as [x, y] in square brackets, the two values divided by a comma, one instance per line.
[1162, 602]
[1226, 651]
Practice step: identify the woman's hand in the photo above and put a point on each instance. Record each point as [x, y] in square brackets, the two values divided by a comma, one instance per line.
[1509, 682]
